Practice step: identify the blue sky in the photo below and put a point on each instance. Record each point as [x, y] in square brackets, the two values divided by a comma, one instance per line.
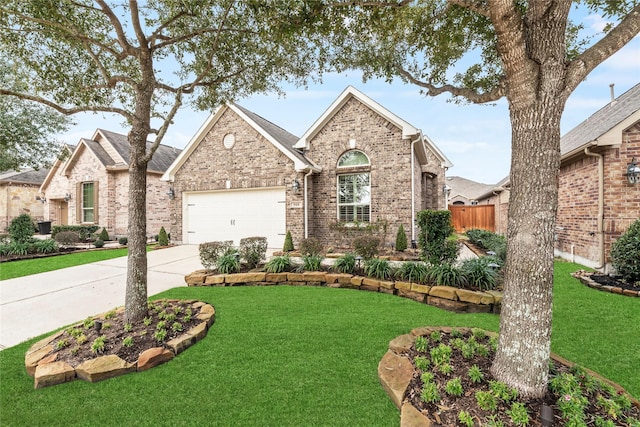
[476, 138]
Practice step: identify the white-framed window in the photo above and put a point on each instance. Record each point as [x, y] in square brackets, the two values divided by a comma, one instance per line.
[88, 202]
[354, 187]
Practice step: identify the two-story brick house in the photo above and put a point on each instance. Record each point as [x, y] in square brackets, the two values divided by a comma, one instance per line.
[90, 185]
[358, 165]
[597, 202]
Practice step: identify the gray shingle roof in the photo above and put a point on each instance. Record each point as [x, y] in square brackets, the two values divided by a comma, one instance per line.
[100, 153]
[602, 121]
[466, 188]
[161, 160]
[25, 176]
[285, 138]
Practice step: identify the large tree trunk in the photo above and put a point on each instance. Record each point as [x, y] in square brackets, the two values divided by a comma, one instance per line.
[525, 324]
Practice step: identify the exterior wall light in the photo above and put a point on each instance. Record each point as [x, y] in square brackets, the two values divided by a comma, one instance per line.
[295, 185]
[67, 197]
[171, 193]
[633, 172]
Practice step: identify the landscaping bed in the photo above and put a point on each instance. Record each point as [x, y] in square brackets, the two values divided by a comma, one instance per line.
[607, 283]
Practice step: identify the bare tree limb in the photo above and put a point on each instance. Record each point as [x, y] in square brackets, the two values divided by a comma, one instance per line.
[117, 26]
[165, 125]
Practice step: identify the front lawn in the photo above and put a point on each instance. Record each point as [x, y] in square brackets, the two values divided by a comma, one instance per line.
[303, 356]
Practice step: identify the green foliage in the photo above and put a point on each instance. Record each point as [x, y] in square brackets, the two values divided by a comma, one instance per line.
[427, 377]
[446, 274]
[160, 335]
[345, 264]
[475, 374]
[422, 363]
[311, 263]
[486, 400]
[127, 341]
[46, 246]
[401, 240]
[253, 250]
[413, 271]
[211, 251]
[278, 264]
[489, 241]
[84, 232]
[465, 418]
[435, 336]
[625, 254]
[104, 235]
[147, 321]
[311, 246]
[67, 237]
[98, 344]
[123, 241]
[433, 238]
[478, 273]
[503, 391]
[366, 246]
[430, 393]
[21, 229]
[98, 243]
[378, 268]
[518, 414]
[128, 327]
[228, 263]
[163, 239]
[454, 387]
[176, 326]
[441, 354]
[288, 242]
[421, 344]
[61, 344]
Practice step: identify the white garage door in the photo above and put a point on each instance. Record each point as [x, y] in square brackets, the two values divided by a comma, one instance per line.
[235, 214]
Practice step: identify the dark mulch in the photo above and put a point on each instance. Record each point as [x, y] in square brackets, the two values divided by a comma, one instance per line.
[615, 281]
[445, 411]
[75, 351]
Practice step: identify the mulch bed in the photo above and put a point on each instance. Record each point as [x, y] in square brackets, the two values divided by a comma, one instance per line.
[615, 281]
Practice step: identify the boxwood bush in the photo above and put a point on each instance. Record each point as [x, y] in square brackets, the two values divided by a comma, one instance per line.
[210, 252]
[84, 231]
[625, 254]
[253, 250]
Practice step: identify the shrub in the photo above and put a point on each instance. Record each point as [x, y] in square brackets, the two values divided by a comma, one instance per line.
[401, 240]
[84, 231]
[278, 264]
[446, 274]
[123, 241]
[288, 243]
[311, 246]
[98, 243]
[489, 241]
[67, 237]
[253, 250]
[434, 241]
[163, 239]
[104, 235]
[625, 253]
[46, 246]
[479, 274]
[378, 268]
[345, 264]
[412, 271]
[211, 251]
[311, 262]
[228, 263]
[21, 228]
[366, 246]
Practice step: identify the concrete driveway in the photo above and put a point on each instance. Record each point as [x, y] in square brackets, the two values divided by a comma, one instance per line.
[36, 304]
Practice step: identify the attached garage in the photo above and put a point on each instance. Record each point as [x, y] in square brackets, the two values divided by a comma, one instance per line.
[235, 214]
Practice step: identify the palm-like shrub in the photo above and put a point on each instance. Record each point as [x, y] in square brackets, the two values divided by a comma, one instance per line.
[378, 268]
[345, 264]
[625, 254]
[311, 263]
[413, 271]
[228, 263]
[481, 273]
[446, 274]
[278, 264]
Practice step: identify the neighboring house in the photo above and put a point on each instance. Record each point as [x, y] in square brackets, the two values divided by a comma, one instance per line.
[358, 165]
[19, 195]
[474, 205]
[597, 203]
[91, 185]
[463, 191]
[498, 196]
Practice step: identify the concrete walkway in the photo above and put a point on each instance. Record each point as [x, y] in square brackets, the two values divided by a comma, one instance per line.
[36, 304]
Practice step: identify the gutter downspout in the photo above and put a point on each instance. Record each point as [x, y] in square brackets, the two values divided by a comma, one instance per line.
[600, 204]
[306, 206]
[413, 192]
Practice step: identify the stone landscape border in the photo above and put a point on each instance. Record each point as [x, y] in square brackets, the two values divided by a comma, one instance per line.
[446, 297]
[585, 277]
[40, 359]
[395, 372]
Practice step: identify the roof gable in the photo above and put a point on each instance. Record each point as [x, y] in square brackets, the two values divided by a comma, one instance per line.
[277, 136]
[605, 126]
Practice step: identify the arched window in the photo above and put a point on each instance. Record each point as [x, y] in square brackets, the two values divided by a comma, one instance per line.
[354, 189]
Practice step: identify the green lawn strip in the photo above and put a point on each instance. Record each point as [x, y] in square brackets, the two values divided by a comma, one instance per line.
[302, 356]
[596, 329]
[27, 267]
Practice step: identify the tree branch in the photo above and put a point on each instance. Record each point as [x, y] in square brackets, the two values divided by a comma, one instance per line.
[165, 125]
[619, 36]
[471, 95]
[117, 26]
[473, 5]
[135, 21]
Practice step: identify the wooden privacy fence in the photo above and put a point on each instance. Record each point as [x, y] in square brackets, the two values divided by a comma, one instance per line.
[467, 217]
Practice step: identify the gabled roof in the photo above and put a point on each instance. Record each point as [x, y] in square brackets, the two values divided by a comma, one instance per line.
[466, 188]
[408, 130]
[280, 138]
[24, 176]
[605, 126]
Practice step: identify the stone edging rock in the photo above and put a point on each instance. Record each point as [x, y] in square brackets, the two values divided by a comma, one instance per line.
[40, 359]
[446, 297]
[585, 277]
[395, 371]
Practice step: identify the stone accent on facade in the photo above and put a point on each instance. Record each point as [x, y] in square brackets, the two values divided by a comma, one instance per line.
[41, 363]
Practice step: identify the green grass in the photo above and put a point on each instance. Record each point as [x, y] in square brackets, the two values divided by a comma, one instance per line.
[27, 267]
[302, 356]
